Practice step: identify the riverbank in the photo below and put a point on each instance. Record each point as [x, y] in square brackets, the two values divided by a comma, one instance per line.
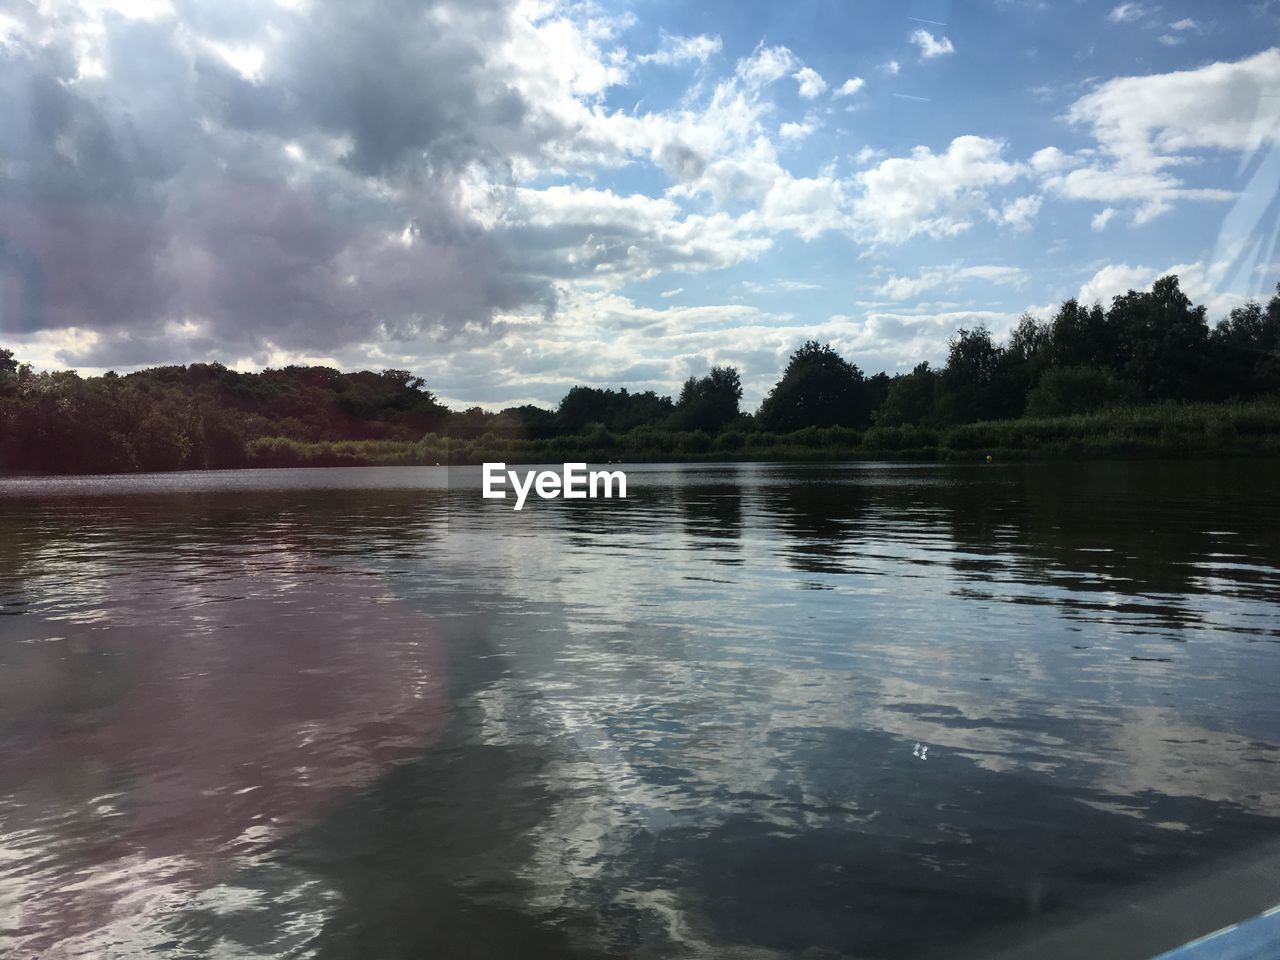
[1170, 431]
[1167, 431]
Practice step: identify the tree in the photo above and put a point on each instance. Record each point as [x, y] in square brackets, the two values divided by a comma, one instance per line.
[8, 364]
[1024, 362]
[639, 410]
[972, 386]
[709, 403]
[910, 399]
[582, 406]
[876, 389]
[1246, 350]
[1162, 341]
[535, 423]
[1081, 389]
[1079, 335]
[819, 388]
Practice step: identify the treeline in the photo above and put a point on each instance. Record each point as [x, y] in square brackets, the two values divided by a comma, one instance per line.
[1145, 376]
[199, 416]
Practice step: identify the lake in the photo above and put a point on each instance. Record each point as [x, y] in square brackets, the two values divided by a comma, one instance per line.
[751, 711]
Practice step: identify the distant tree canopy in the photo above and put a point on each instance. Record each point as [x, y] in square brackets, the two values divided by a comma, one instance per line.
[709, 403]
[1150, 345]
[1246, 348]
[819, 388]
[910, 399]
[616, 410]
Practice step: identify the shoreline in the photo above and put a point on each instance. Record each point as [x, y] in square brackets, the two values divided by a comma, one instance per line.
[1170, 431]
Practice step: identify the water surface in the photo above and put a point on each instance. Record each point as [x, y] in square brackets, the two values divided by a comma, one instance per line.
[365, 713]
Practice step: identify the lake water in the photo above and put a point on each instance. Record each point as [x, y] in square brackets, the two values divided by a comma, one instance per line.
[367, 714]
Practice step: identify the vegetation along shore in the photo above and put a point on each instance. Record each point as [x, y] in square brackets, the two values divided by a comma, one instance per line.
[1145, 377]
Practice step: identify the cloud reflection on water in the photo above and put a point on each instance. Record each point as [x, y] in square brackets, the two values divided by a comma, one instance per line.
[684, 720]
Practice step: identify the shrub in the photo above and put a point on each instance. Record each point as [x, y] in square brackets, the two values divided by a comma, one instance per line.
[1080, 389]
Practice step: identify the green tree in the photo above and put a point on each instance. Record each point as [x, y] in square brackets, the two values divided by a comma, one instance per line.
[911, 398]
[709, 403]
[1024, 362]
[534, 423]
[972, 386]
[582, 406]
[1079, 335]
[1162, 341]
[1080, 389]
[819, 388]
[1246, 350]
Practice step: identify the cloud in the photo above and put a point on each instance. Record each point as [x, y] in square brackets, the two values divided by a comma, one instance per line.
[933, 194]
[1202, 282]
[600, 337]
[806, 206]
[1018, 213]
[931, 46]
[779, 286]
[765, 65]
[811, 83]
[1101, 219]
[850, 87]
[1146, 127]
[1222, 105]
[352, 179]
[568, 232]
[1127, 13]
[891, 67]
[1169, 40]
[313, 205]
[267, 183]
[898, 340]
[906, 288]
[798, 131]
[1049, 160]
[672, 293]
[677, 50]
[1185, 24]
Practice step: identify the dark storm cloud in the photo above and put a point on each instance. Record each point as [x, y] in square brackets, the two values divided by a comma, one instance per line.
[406, 81]
[162, 194]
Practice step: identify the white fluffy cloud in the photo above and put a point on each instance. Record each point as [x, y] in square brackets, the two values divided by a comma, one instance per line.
[798, 131]
[937, 194]
[1049, 160]
[931, 46]
[1202, 282]
[850, 87]
[1149, 127]
[811, 83]
[906, 288]
[486, 183]
[765, 65]
[1018, 212]
[1142, 120]
[675, 50]
[1113, 280]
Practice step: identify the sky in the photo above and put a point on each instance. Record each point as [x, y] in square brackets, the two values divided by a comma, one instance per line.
[510, 198]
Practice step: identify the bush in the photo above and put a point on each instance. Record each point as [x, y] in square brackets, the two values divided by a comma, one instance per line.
[1081, 389]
